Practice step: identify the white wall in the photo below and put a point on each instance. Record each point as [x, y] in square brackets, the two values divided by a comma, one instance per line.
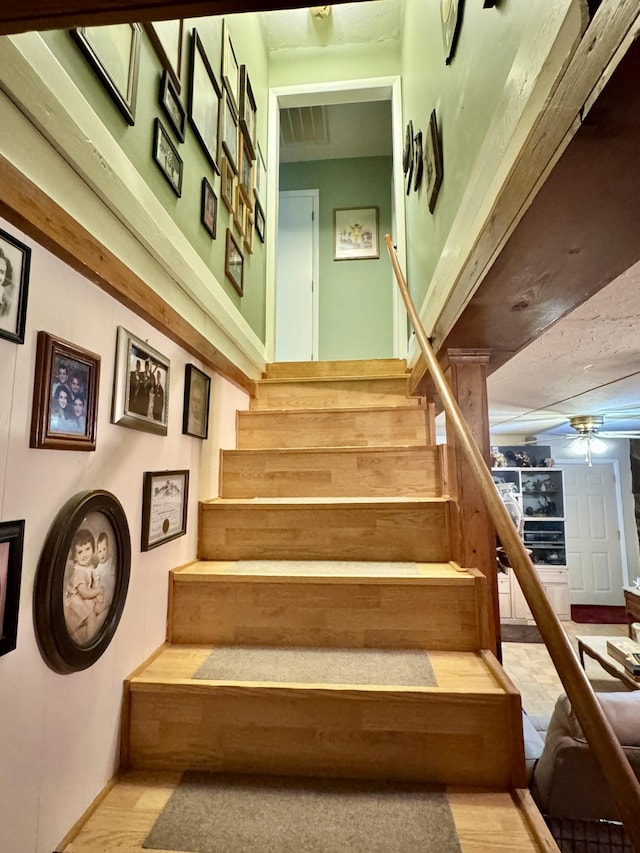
[59, 734]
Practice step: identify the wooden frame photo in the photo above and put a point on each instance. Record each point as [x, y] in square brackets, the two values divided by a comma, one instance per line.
[239, 208]
[433, 166]
[141, 385]
[230, 67]
[166, 156]
[247, 231]
[172, 105]
[258, 218]
[227, 185]
[113, 51]
[166, 38]
[209, 208]
[15, 264]
[234, 263]
[164, 507]
[247, 112]
[11, 548]
[195, 411]
[82, 581]
[64, 413]
[355, 233]
[204, 101]
[245, 172]
[229, 133]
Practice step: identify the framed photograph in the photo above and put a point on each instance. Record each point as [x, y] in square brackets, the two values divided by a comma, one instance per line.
[11, 546]
[164, 507]
[258, 218]
[166, 156]
[141, 385]
[418, 161]
[239, 208]
[355, 232]
[166, 38]
[245, 172]
[172, 105]
[247, 112]
[227, 185]
[195, 412]
[407, 154]
[113, 51]
[229, 133]
[230, 67]
[15, 262]
[82, 581]
[209, 208]
[433, 162]
[204, 101]
[247, 233]
[234, 263]
[65, 396]
[260, 188]
[450, 19]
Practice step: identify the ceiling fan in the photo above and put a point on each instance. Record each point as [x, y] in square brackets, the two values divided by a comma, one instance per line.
[590, 434]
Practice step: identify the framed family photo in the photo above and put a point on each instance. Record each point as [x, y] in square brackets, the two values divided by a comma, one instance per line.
[65, 396]
[11, 547]
[15, 262]
[195, 412]
[164, 507]
[355, 232]
[82, 581]
[166, 156]
[141, 385]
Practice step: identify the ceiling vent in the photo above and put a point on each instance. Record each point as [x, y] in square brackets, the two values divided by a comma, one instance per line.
[304, 126]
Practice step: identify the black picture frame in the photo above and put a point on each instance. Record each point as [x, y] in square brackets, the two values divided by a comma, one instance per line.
[15, 265]
[204, 101]
[172, 105]
[113, 51]
[87, 551]
[64, 414]
[165, 495]
[197, 394]
[229, 132]
[247, 112]
[167, 158]
[230, 67]
[450, 19]
[11, 550]
[209, 208]
[234, 263]
[140, 395]
[434, 170]
[166, 38]
[407, 154]
[419, 162]
[259, 221]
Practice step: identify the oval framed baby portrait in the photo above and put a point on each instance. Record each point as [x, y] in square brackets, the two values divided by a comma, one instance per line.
[82, 581]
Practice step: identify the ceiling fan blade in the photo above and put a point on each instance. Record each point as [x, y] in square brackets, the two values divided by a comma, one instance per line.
[621, 434]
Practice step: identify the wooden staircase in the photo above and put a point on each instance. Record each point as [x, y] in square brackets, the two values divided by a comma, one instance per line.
[332, 534]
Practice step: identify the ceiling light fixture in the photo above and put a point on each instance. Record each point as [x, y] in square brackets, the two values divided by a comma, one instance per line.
[587, 441]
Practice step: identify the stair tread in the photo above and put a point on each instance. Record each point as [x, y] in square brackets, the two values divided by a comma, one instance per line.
[327, 501]
[486, 820]
[347, 377]
[321, 410]
[371, 449]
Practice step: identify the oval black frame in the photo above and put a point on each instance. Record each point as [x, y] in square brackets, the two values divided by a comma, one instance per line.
[57, 648]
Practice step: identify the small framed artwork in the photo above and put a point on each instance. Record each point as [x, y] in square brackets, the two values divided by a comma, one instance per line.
[355, 232]
[113, 51]
[258, 217]
[172, 105]
[164, 507]
[166, 38]
[195, 413]
[82, 581]
[247, 232]
[141, 385]
[247, 113]
[245, 172]
[11, 547]
[230, 67]
[239, 208]
[260, 188]
[209, 208]
[229, 133]
[433, 162]
[166, 156]
[450, 19]
[204, 100]
[407, 154]
[234, 263]
[15, 263]
[418, 160]
[65, 396]
[227, 185]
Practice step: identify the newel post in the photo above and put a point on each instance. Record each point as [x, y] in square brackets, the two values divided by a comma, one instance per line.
[474, 536]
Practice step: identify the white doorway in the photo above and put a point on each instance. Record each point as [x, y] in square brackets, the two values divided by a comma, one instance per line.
[595, 554]
[297, 274]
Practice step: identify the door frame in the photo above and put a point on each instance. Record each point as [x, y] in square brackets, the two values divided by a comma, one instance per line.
[336, 92]
[315, 296]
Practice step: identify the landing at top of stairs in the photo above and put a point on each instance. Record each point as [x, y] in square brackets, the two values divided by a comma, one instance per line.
[341, 368]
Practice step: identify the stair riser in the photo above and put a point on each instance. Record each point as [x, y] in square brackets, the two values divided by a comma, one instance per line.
[347, 473]
[331, 369]
[403, 736]
[276, 394]
[393, 615]
[406, 532]
[357, 428]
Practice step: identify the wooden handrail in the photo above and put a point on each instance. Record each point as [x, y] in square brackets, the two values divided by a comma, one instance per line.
[602, 740]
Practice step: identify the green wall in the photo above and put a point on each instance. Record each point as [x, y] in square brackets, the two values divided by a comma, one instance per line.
[137, 141]
[355, 296]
